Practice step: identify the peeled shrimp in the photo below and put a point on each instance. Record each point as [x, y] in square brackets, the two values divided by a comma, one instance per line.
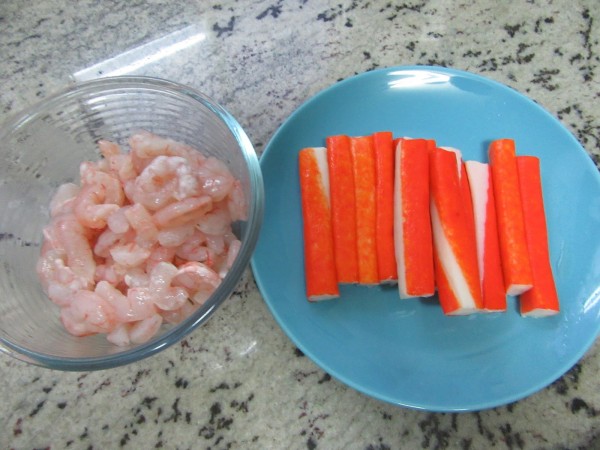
[164, 180]
[88, 313]
[145, 238]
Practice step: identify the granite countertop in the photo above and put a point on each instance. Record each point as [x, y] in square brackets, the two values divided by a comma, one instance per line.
[238, 381]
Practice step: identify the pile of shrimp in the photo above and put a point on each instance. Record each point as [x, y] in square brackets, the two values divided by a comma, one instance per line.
[143, 239]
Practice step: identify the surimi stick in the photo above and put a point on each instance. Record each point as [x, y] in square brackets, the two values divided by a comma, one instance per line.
[343, 207]
[363, 165]
[542, 299]
[486, 233]
[412, 222]
[511, 228]
[319, 261]
[384, 162]
[455, 255]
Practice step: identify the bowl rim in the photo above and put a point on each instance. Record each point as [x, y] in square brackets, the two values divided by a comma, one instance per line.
[254, 220]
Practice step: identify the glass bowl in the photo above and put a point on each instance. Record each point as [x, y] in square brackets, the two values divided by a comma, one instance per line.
[42, 148]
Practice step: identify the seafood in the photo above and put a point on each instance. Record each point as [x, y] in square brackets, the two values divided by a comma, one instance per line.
[144, 239]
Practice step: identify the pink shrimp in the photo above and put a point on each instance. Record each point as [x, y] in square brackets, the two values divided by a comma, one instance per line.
[194, 249]
[178, 315]
[91, 174]
[159, 254]
[199, 279]
[90, 208]
[165, 296]
[215, 179]
[136, 305]
[232, 252]
[129, 254]
[164, 180]
[72, 237]
[143, 330]
[88, 313]
[141, 221]
[188, 210]
[216, 222]
[117, 222]
[63, 200]
[175, 236]
[236, 202]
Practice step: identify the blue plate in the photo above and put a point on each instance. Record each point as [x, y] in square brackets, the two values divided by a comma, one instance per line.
[407, 352]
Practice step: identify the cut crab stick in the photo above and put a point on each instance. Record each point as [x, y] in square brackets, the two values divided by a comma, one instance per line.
[542, 299]
[384, 161]
[343, 207]
[516, 266]
[412, 223]
[486, 234]
[319, 260]
[364, 167]
[455, 253]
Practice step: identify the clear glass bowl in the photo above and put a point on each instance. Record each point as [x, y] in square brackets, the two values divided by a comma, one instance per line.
[42, 148]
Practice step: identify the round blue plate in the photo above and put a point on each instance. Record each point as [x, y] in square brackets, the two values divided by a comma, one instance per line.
[407, 352]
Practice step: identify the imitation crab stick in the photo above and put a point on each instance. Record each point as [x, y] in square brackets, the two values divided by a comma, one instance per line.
[412, 223]
[455, 253]
[542, 299]
[364, 168]
[343, 207]
[516, 266]
[384, 162]
[319, 260]
[486, 233]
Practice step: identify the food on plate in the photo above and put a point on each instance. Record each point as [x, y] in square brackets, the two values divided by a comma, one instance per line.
[144, 238]
[455, 253]
[542, 299]
[474, 232]
[384, 208]
[412, 219]
[319, 259]
[486, 234]
[343, 207]
[509, 209]
[363, 167]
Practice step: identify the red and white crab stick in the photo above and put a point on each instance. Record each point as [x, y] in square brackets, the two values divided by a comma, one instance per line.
[516, 266]
[319, 260]
[384, 162]
[364, 167]
[412, 222]
[486, 234]
[542, 299]
[455, 253]
[343, 207]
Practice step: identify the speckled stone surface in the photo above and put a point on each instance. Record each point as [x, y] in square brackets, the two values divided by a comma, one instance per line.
[238, 382]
